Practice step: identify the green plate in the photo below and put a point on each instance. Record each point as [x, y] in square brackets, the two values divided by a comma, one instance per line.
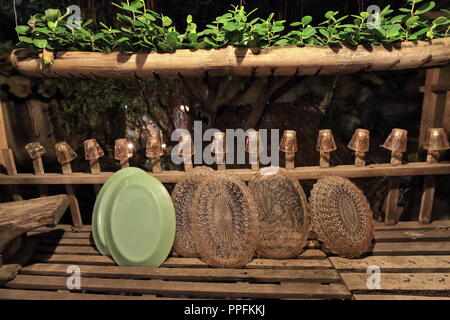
[103, 198]
[140, 224]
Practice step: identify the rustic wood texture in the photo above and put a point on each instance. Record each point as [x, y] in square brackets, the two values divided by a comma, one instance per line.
[347, 171]
[73, 201]
[19, 217]
[414, 260]
[434, 102]
[3, 139]
[10, 165]
[279, 61]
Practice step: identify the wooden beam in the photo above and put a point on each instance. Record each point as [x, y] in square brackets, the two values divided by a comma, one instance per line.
[438, 87]
[347, 171]
[19, 217]
[3, 140]
[277, 61]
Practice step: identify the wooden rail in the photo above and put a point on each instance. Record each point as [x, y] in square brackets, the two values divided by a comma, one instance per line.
[347, 171]
[277, 61]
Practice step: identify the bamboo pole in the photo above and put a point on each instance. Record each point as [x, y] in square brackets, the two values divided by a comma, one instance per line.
[286, 61]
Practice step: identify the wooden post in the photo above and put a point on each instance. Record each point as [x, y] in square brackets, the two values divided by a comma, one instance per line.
[95, 169]
[253, 158]
[35, 151]
[220, 161]
[10, 165]
[289, 159]
[391, 214]
[73, 201]
[429, 183]
[187, 160]
[3, 140]
[434, 102]
[156, 165]
[360, 159]
[324, 159]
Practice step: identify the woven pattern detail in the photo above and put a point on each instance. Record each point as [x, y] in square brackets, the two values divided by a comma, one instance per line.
[341, 216]
[183, 198]
[283, 213]
[225, 222]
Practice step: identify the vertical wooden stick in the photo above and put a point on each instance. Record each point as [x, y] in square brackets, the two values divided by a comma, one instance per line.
[124, 163]
[10, 164]
[289, 159]
[324, 159]
[95, 169]
[360, 159]
[156, 165]
[73, 202]
[391, 215]
[187, 160]
[38, 167]
[253, 158]
[429, 184]
[220, 161]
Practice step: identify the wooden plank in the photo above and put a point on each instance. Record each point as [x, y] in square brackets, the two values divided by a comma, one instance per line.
[63, 227]
[413, 235]
[67, 249]
[236, 61]
[347, 171]
[394, 263]
[73, 259]
[185, 274]
[19, 217]
[80, 259]
[391, 214]
[396, 297]
[12, 294]
[413, 248]
[256, 263]
[198, 289]
[412, 225]
[400, 281]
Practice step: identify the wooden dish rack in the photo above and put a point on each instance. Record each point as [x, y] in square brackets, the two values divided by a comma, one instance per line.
[414, 257]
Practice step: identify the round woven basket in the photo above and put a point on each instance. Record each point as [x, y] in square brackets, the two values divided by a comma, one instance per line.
[283, 213]
[183, 198]
[341, 216]
[225, 223]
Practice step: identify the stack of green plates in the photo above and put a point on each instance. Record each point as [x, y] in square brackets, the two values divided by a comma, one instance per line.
[134, 219]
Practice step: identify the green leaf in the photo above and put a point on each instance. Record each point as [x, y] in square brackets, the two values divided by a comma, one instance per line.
[52, 14]
[307, 20]
[172, 40]
[40, 43]
[440, 21]
[398, 18]
[308, 32]
[425, 7]
[23, 29]
[329, 14]
[25, 39]
[412, 20]
[295, 24]
[229, 26]
[166, 21]
[405, 10]
[189, 19]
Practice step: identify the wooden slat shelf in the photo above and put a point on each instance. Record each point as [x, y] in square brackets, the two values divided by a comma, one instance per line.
[410, 269]
[347, 171]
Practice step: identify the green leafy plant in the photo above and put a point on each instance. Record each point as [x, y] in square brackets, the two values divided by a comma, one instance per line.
[140, 29]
